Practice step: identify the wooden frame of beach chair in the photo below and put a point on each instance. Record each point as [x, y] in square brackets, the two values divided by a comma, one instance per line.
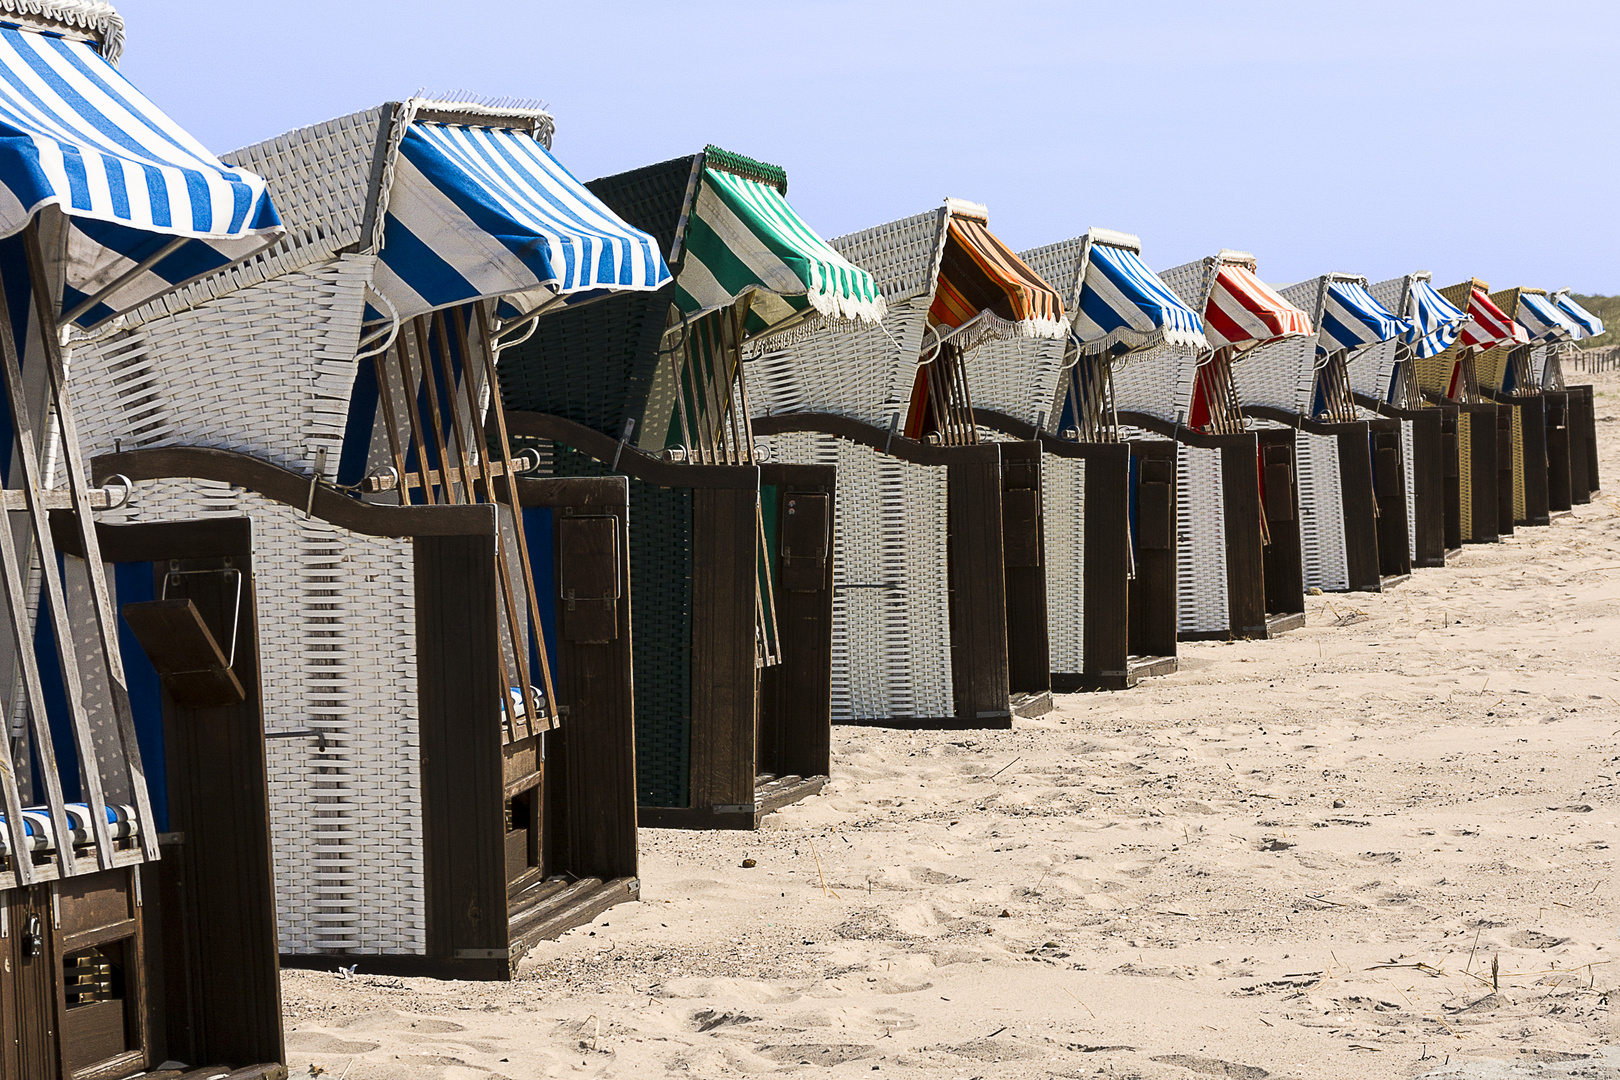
[1110, 583]
[1350, 467]
[112, 958]
[1505, 377]
[1483, 437]
[938, 541]
[571, 852]
[1385, 382]
[1237, 546]
[1530, 377]
[733, 638]
[420, 659]
[1581, 419]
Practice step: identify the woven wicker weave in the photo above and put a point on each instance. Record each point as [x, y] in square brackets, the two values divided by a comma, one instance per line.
[1281, 375]
[95, 19]
[1158, 381]
[1408, 459]
[337, 627]
[1063, 497]
[1465, 457]
[1372, 369]
[1321, 509]
[661, 631]
[266, 371]
[650, 198]
[863, 372]
[1201, 587]
[593, 365]
[891, 609]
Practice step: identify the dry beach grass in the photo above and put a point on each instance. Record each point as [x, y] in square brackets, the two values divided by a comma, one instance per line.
[1377, 847]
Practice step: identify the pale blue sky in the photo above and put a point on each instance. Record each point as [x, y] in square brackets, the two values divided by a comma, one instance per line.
[1470, 138]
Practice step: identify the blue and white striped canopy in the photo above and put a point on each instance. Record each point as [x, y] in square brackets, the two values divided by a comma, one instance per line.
[1589, 324]
[76, 136]
[1124, 306]
[1543, 320]
[477, 212]
[1433, 321]
[1352, 319]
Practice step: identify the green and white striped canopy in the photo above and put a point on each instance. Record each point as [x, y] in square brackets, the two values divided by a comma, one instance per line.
[742, 237]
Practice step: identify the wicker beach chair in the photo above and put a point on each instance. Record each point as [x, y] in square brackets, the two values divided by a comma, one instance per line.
[1352, 483]
[1237, 575]
[1385, 383]
[1110, 584]
[1484, 429]
[932, 522]
[436, 623]
[1521, 377]
[113, 959]
[729, 552]
[1583, 460]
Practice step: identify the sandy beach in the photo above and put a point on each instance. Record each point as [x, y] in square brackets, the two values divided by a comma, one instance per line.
[1381, 846]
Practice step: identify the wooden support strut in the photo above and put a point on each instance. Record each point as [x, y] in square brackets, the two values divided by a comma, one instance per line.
[505, 446]
[41, 538]
[22, 633]
[106, 619]
[503, 562]
[407, 391]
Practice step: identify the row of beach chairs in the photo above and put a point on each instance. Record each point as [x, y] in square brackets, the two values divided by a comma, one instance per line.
[402, 523]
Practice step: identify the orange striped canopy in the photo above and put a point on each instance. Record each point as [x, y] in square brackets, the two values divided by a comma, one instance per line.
[980, 273]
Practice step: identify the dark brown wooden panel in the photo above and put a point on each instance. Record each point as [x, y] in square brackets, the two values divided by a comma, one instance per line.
[978, 602]
[223, 991]
[1360, 508]
[1429, 446]
[195, 669]
[1533, 460]
[589, 559]
[1283, 558]
[1389, 489]
[1482, 478]
[725, 687]
[1153, 589]
[796, 695]
[1559, 492]
[1505, 468]
[1106, 627]
[591, 769]
[458, 692]
[1583, 437]
[1245, 547]
[1029, 669]
[292, 489]
[28, 1044]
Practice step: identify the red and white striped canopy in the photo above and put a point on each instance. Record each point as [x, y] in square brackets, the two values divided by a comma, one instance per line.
[1488, 325]
[1245, 311]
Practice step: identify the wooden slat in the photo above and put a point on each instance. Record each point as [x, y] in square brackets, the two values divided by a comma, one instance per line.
[504, 446]
[1106, 617]
[216, 890]
[591, 764]
[978, 608]
[1029, 669]
[724, 753]
[292, 489]
[463, 849]
[1153, 590]
[33, 483]
[1245, 556]
[1360, 513]
[796, 695]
